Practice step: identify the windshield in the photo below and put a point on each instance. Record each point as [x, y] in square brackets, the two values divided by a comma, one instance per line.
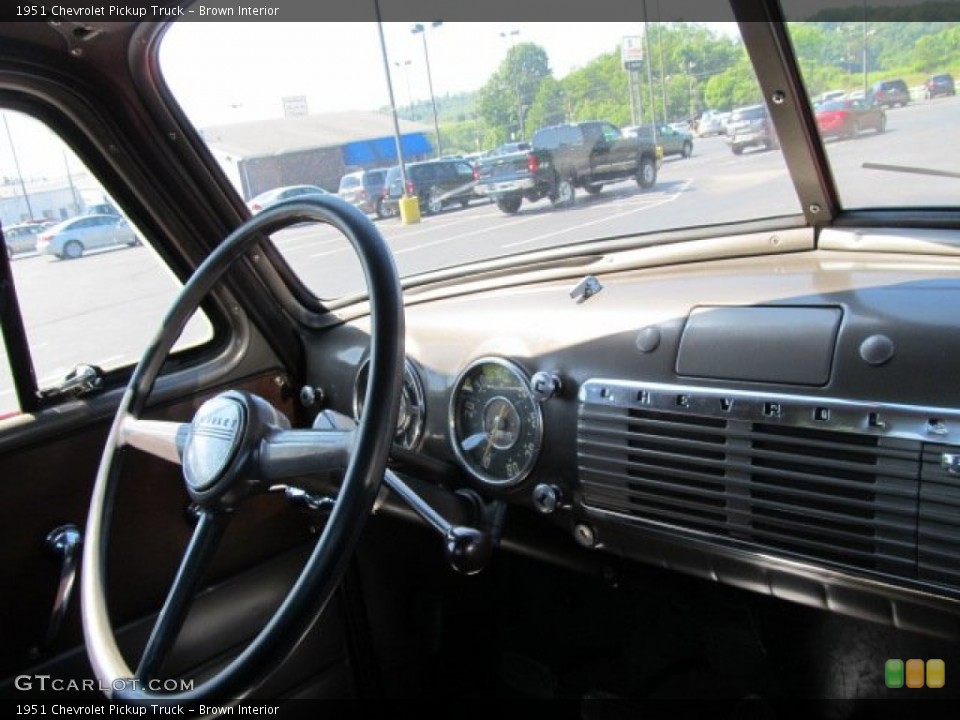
[904, 128]
[476, 93]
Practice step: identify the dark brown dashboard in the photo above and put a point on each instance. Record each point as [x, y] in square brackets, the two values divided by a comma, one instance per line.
[787, 423]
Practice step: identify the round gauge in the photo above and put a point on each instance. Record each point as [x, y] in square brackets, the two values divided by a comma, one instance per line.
[411, 417]
[496, 426]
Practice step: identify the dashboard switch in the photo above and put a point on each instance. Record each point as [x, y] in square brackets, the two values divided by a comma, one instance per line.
[584, 535]
[547, 498]
[544, 386]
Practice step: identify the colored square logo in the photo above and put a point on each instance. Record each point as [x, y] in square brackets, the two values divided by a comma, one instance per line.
[893, 673]
[936, 673]
[915, 673]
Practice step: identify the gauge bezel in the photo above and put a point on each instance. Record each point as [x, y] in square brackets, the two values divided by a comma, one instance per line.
[411, 379]
[521, 374]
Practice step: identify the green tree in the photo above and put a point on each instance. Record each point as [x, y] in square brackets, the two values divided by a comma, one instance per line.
[599, 91]
[549, 106]
[733, 87]
[510, 92]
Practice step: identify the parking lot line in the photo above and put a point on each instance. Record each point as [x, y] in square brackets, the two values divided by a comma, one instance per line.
[605, 218]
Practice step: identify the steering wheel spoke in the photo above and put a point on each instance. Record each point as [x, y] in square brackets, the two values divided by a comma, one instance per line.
[206, 537]
[293, 453]
[165, 440]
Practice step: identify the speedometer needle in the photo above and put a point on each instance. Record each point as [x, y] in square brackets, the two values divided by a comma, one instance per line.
[474, 441]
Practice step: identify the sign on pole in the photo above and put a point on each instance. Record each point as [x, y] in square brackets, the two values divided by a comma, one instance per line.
[294, 105]
[631, 52]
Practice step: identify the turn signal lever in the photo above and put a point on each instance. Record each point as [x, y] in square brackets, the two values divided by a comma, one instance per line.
[468, 549]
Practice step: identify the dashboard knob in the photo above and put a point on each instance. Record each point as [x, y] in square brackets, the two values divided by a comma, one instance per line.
[547, 498]
[544, 386]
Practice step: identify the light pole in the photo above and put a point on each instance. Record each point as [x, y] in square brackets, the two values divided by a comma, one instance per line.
[511, 36]
[690, 66]
[419, 29]
[16, 165]
[405, 65]
[866, 34]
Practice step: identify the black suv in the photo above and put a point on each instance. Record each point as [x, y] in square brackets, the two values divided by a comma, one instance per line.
[436, 183]
[939, 84]
[364, 190]
[889, 93]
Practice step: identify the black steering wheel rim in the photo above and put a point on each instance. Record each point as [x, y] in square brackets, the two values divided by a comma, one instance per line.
[364, 470]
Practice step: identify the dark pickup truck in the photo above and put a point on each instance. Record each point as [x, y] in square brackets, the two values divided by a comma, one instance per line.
[565, 157]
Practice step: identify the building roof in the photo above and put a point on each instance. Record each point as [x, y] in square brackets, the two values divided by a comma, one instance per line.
[264, 138]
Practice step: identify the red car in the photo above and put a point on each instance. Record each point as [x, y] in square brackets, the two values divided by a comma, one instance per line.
[846, 118]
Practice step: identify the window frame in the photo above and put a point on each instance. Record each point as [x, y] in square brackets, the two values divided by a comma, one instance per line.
[13, 332]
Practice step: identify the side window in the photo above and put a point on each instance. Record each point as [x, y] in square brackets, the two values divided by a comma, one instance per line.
[464, 171]
[91, 291]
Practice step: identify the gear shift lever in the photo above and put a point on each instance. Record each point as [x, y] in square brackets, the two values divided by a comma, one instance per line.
[468, 549]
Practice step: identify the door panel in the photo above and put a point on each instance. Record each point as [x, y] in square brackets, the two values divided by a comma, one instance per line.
[44, 486]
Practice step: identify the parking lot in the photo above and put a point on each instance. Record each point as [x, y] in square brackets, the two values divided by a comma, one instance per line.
[104, 307]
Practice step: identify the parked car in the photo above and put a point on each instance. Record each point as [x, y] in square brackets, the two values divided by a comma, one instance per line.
[102, 208]
[509, 148]
[270, 198]
[846, 118]
[22, 237]
[436, 183]
[71, 238]
[888, 93]
[673, 141]
[364, 190]
[687, 453]
[750, 126]
[829, 95]
[711, 123]
[938, 85]
[566, 157]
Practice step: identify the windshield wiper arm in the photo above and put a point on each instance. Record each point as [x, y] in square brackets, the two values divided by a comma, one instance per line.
[911, 170]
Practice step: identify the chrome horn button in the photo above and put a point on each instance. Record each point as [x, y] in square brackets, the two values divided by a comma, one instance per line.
[215, 435]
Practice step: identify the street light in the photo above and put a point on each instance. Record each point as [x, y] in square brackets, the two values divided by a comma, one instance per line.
[866, 34]
[690, 66]
[419, 29]
[405, 65]
[511, 35]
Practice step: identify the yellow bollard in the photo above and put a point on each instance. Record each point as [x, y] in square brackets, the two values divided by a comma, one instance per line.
[409, 209]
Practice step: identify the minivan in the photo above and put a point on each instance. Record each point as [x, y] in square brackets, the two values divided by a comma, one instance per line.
[436, 183]
[364, 190]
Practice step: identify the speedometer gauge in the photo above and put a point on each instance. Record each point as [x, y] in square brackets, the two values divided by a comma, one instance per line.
[496, 426]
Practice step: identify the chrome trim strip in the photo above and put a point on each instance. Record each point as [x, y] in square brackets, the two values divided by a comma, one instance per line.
[918, 590]
[909, 422]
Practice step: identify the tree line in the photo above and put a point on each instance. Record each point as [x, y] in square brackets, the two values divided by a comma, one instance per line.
[694, 68]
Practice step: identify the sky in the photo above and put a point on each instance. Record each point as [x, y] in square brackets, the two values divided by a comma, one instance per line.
[234, 72]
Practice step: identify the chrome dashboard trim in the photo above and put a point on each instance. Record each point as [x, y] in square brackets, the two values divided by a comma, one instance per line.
[909, 422]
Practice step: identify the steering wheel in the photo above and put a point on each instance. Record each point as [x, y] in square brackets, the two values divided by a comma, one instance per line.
[238, 445]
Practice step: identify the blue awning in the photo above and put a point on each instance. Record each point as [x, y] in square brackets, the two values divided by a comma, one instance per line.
[383, 151]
